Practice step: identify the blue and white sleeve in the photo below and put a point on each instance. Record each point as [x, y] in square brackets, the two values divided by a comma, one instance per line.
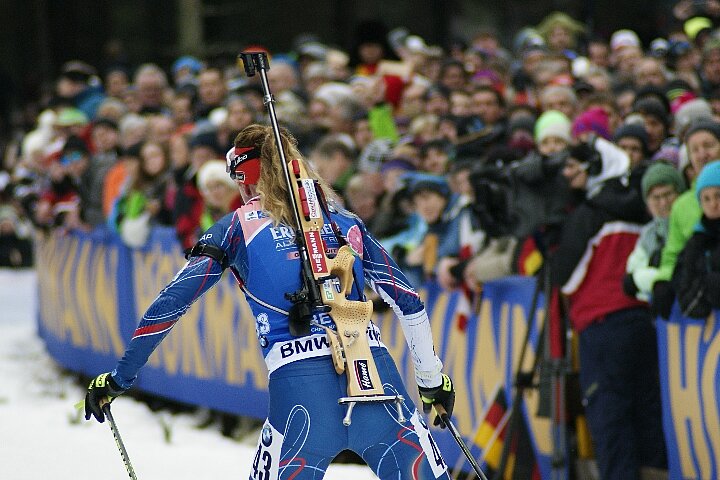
[198, 276]
[385, 277]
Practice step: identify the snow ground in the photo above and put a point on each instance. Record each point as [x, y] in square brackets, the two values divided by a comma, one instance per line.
[43, 436]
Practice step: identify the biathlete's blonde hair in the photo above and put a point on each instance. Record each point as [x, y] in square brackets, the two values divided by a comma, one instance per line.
[271, 186]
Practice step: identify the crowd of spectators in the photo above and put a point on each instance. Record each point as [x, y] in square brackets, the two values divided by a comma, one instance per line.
[470, 162]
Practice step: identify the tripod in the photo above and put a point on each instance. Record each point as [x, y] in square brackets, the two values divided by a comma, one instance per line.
[551, 351]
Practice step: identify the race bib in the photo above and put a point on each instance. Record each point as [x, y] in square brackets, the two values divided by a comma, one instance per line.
[267, 455]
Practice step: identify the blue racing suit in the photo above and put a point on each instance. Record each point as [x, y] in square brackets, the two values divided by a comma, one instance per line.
[304, 429]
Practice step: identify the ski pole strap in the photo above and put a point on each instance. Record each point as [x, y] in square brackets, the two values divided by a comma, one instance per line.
[205, 250]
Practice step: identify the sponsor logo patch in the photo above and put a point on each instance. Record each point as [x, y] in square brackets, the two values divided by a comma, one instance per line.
[354, 239]
[262, 325]
[327, 288]
[304, 345]
[308, 185]
[316, 251]
[266, 435]
[255, 215]
[362, 373]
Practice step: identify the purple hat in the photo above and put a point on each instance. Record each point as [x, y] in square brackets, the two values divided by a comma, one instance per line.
[401, 163]
[593, 120]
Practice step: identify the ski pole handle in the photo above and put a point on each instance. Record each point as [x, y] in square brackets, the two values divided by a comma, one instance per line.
[118, 441]
[442, 413]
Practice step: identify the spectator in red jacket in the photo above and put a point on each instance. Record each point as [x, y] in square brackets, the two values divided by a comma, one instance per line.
[618, 350]
[59, 204]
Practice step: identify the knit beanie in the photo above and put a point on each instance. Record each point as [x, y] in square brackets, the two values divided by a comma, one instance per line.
[653, 107]
[552, 124]
[679, 92]
[214, 170]
[400, 163]
[692, 111]
[700, 125]
[709, 177]
[593, 120]
[421, 182]
[624, 38]
[668, 153]
[661, 173]
[632, 130]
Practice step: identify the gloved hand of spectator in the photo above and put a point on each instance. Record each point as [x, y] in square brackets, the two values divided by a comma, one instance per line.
[663, 297]
[629, 286]
[102, 389]
[694, 301]
[443, 394]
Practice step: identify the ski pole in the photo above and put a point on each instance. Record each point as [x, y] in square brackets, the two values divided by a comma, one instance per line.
[118, 441]
[458, 439]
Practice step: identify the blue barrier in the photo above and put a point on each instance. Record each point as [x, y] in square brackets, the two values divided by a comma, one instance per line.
[93, 290]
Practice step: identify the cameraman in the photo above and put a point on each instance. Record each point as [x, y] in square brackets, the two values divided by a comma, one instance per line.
[618, 351]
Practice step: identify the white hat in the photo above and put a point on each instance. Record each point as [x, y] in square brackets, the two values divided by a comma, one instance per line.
[218, 116]
[46, 119]
[333, 93]
[316, 70]
[416, 44]
[624, 38]
[690, 112]
[213, 170]
[580, 67]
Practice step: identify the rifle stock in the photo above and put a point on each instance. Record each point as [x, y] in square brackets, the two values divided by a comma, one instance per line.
[326, 281]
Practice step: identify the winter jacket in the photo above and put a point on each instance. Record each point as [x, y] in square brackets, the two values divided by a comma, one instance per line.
[382, 123]
[89, 100]
[540, 192]
[256, 250]
[92, 186]
[697, 274]
[642, 264]
[684, 216]
[596, 240]
[189, 207]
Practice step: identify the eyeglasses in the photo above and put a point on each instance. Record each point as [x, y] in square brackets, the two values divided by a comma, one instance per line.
[662, 196]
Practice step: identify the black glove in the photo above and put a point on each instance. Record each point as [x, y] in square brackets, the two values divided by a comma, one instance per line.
[663, 297]
[458, 271]
[444, 394]
[629, 286]
[586, 154]
[694, 300]
[102, 389]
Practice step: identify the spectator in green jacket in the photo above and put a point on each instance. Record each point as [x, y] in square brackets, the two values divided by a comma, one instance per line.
[145, 199]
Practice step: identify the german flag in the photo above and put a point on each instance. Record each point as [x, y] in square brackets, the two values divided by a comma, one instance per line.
[490, 437]
[529, 257]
